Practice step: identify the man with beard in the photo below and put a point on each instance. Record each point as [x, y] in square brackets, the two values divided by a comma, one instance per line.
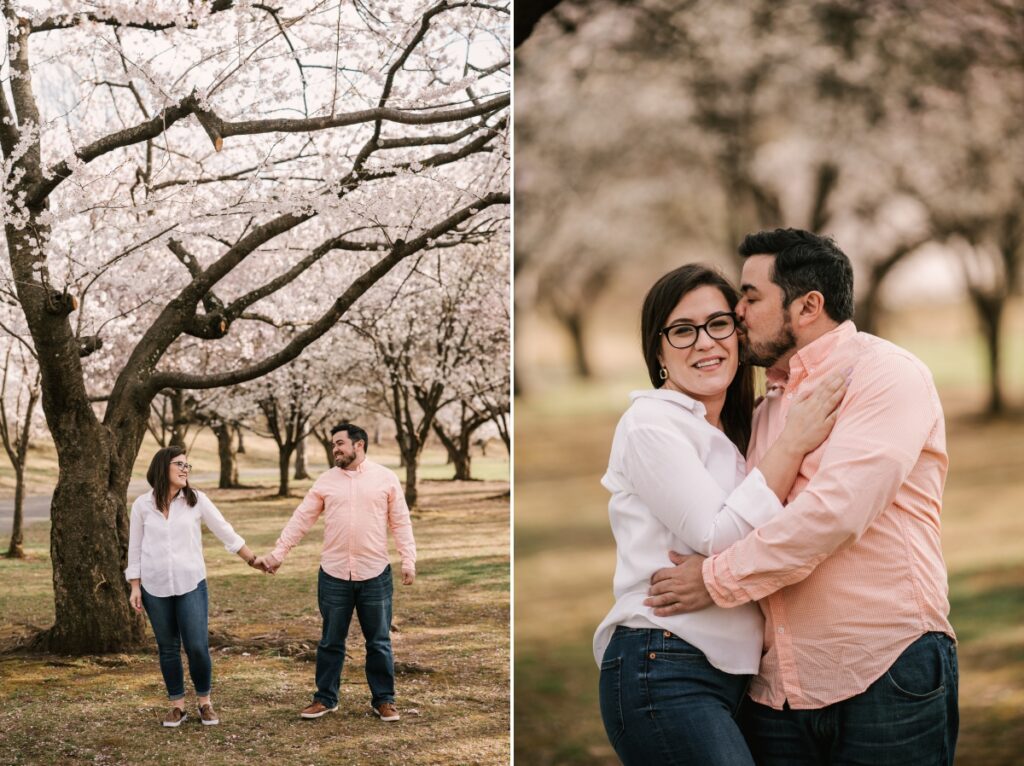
[859, 662]
[360, 500]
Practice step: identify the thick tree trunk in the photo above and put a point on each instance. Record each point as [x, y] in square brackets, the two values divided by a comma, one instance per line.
[574, 324]
[179, 418]
[89, 535]
[228, 458]
[990, 312]
[16, 550]
[325, 442]
[458, 449]
[89, 532]
[411, 491]
[300, 461]
[463, 464]
[284, 459]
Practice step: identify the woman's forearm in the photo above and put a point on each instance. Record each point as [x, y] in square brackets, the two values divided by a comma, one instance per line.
[780, 466]
[246, 555]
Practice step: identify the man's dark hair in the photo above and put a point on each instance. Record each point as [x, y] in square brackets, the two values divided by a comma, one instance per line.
[355, 433]
[806, 262]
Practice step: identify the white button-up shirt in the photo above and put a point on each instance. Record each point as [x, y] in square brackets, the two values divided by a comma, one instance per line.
[167, 554]
[678, 483]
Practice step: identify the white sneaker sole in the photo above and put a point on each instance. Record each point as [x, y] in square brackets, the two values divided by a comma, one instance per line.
[387, 719]
[318, 715]
[181, 720]
[214, 722]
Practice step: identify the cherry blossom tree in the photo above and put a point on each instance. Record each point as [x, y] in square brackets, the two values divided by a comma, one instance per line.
[293, 401]
[174, 172]
[427, 340]
[19, 395]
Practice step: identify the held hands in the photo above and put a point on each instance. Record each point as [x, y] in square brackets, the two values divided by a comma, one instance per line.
[679, 589]
[813, 413]
[266, 563]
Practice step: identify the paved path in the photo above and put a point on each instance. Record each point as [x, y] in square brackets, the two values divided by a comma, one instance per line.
[37, 507]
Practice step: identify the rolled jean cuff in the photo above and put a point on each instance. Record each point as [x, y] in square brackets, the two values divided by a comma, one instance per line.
[176, 697]
[203, 694]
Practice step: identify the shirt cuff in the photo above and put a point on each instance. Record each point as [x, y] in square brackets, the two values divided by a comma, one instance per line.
[722, 586]
[133, 573]
[279, 553]
[410, 568]
[754, 501]
[234, 546]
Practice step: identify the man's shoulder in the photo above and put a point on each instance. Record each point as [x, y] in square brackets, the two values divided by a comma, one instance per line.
[379, 470]
[326, 477]
[872, 347]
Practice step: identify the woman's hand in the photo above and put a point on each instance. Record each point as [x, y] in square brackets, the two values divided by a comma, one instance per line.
[813, 414]
[135, 599]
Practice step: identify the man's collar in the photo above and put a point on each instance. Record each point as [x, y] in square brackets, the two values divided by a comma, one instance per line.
[812, 355]
[817, 351]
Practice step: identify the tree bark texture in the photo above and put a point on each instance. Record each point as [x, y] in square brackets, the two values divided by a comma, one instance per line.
[284, 459]
[300, 461]
[227, 456]
[989, 308]
[16, 548]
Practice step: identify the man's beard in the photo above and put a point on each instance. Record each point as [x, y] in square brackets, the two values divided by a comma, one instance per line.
[344, 461]
[767, 353]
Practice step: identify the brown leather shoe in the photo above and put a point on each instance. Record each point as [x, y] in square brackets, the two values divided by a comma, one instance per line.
[316, 710]
[386, 711]
[207, 716]
[175, 717]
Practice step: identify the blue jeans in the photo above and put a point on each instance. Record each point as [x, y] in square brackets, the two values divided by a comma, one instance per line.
[178, 620]
[663, 703]
[371, 600]
[909, 717]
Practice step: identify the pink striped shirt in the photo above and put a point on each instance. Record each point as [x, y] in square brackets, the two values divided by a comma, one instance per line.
[358, 506]
[850, 573]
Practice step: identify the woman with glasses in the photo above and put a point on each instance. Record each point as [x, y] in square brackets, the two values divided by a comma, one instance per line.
[670, 686]
[168, 575]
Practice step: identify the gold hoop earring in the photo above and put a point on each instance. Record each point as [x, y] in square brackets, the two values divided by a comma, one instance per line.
[663, 373]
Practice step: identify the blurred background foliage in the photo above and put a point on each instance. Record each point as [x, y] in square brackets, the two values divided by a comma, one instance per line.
[653, 133]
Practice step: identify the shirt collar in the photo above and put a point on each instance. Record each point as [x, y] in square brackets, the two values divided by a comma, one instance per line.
[817, 351]
[813, 355]
[671, 396]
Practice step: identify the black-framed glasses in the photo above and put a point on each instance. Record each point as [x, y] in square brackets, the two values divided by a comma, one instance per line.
[684, 334]
[180, 465]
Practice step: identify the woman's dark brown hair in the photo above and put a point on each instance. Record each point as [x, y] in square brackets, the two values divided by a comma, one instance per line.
[661, 299]
[159, 467]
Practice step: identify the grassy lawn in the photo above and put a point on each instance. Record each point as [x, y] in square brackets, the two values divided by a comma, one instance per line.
[565, 559]
[451, 644]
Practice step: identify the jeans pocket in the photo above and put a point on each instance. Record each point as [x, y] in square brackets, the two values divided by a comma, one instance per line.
[675, 649]
[919, 673]
[610, 688]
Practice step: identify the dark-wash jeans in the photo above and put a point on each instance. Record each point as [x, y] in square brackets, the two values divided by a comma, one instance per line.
[663, 703]
[909, 717]
[371, 600]
[178, 620]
